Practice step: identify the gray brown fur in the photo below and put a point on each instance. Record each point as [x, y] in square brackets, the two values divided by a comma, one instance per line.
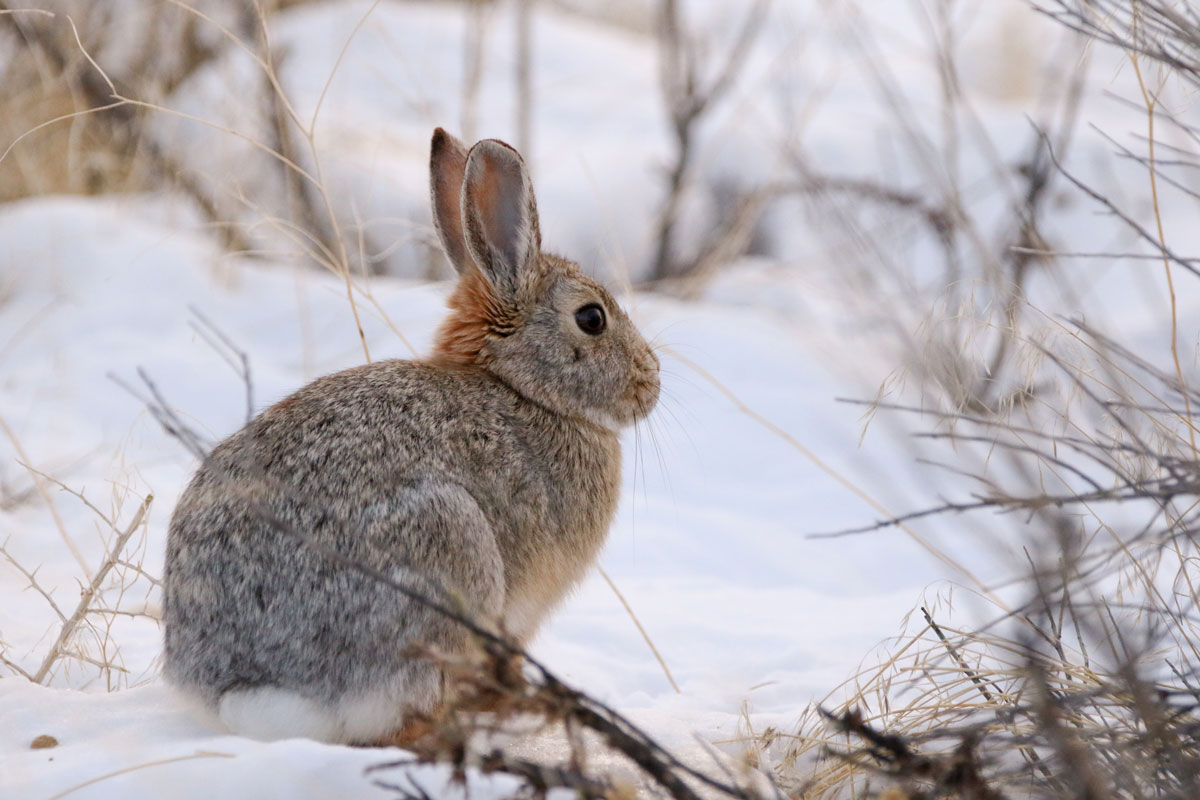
[490, 470]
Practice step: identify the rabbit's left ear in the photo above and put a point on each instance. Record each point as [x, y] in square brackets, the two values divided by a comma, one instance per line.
[447, 163]
[499, 215]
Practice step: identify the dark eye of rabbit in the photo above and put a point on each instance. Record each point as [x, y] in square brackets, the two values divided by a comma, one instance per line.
[590, 319]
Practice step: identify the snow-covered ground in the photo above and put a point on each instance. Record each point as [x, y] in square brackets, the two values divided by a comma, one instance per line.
[709, 550]
[749, 451]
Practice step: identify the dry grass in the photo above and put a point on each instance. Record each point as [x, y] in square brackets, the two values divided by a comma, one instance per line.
[1091, 680]
[62, 142]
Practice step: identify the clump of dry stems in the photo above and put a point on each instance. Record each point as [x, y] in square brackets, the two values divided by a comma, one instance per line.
[1088, 684]
[117, 586]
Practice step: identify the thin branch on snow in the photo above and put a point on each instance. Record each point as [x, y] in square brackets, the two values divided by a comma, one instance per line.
[90, 591]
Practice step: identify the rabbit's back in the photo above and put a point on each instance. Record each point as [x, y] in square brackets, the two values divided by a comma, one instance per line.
[356, 461]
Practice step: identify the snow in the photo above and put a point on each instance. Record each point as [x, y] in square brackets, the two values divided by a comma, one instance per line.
[749, 452]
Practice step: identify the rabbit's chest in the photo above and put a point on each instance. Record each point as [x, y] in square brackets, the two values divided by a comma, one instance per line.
[556, 535]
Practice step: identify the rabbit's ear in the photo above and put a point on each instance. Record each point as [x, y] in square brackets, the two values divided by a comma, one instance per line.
[447, 163]
[499, 216]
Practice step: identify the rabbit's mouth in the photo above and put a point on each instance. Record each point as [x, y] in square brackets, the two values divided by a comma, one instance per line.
[645, 387]
[633, 406]
[645, 397]
[640, 398]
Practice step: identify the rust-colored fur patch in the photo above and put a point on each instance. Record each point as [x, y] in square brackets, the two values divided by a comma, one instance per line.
[475, 314]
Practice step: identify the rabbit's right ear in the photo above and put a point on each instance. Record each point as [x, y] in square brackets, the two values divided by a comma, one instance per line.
[447, 165]
[500, 220]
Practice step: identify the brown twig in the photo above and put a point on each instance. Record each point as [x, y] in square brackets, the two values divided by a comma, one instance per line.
[90, 591]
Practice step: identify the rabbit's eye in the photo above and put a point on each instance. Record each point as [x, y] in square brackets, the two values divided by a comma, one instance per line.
[590, 319]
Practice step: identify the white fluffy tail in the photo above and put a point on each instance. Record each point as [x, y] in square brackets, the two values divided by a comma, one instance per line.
[268, 713]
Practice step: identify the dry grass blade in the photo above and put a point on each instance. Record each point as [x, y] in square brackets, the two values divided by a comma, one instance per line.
[40, 484]
[821, 464]
[136, 767]
[641, 630]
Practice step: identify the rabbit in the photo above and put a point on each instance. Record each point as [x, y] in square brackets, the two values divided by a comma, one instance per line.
[489, 470]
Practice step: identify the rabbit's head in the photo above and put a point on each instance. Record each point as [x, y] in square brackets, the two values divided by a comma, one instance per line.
[532, 319]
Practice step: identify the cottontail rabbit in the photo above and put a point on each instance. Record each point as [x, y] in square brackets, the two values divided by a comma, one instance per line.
[490, 469]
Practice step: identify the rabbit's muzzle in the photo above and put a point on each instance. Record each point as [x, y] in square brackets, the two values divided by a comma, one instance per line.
[642, 394]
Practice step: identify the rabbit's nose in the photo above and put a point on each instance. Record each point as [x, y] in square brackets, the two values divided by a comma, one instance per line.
[649, 362]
